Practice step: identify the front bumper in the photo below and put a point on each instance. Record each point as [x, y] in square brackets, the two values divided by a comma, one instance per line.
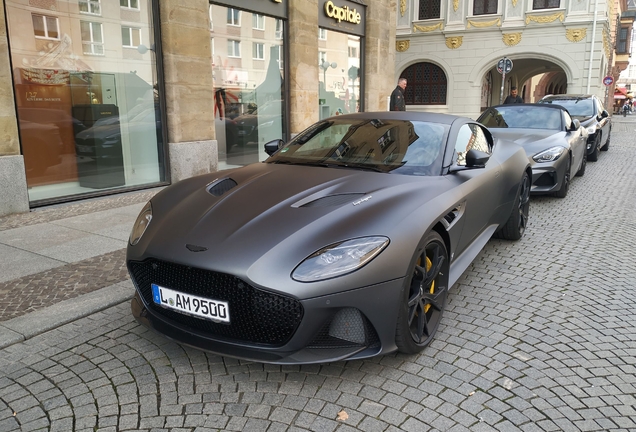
[355, 324]
[589, 145]
[547, 178]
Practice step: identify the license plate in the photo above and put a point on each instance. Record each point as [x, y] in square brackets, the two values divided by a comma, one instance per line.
[214, 310]
[241, 132]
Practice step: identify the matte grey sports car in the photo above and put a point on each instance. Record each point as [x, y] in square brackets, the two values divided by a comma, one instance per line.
[342, 245]
[554, 142]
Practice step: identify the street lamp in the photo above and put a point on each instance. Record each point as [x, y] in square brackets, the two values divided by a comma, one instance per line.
[324, 66]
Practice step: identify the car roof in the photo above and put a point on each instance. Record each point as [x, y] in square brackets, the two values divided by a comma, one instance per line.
[550, 106]
[568, 96]
[404, 115]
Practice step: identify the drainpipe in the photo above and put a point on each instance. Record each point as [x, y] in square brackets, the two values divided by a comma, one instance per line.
[589, 73]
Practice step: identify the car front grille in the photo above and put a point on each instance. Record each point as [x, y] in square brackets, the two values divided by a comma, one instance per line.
[256, 316]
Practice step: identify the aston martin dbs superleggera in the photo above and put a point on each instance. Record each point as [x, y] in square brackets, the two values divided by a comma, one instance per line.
[343, 244]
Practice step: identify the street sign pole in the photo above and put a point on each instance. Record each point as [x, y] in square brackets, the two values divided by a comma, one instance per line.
[503, 66]
[503, 81]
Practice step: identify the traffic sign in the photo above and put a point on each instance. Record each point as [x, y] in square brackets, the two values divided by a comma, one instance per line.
[608, 80]
[504, 65]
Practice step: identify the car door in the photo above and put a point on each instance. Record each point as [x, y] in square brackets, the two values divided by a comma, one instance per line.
[479, 189]
[577, 141]
[604, 122]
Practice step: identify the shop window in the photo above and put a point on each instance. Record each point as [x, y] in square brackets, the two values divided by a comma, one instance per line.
[426, 84]
[622, 44]
[234, 17]
[92, 38]
[90, 7]
[130, 4]
[233, 48]
[258, 51]
[484, 7]
[429, 9]
[45, 27]
[130, 37]
[545, 4]
[258, 22]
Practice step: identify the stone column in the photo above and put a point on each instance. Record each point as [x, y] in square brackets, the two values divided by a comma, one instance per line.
[380, 54]
[13, 187]
[303, 63]
[187, 60]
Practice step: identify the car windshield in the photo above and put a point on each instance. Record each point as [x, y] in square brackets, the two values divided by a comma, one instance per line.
[576, 107]
[397, 146]
[526, 117]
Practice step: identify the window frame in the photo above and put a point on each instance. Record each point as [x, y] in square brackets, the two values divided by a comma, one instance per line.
[130, 35]
[416, 11]
[92, 42]
[256, 20]
[623, 41]
[236, 45]
[46, 27]
[280, 29]
[234, 22]
[473, 3]
[89, 7]
[413, 83]
[256, 51]
[322, 33]
[128, 6]
[534, 8]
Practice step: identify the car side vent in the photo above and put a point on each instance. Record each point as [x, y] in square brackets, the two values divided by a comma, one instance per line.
[218, 188]
[453, 216]
[333, 200]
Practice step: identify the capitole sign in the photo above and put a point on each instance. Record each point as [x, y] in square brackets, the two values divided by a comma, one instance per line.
[346, 16]
[342, 13]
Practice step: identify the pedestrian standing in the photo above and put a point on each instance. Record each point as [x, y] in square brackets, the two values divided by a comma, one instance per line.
[397, 97]
[513, 97]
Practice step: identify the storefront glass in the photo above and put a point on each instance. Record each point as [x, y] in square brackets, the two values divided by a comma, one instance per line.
[85, 81]
[339, 73]
[248, 71]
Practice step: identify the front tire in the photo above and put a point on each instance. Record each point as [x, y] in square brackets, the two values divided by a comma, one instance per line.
[565, 184]
[581, 171]
[516, 225]
[607, 143]
[593, 157]
[423, 296]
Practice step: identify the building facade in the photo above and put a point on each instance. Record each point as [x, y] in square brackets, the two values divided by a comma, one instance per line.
[450, 50]
[104, 96]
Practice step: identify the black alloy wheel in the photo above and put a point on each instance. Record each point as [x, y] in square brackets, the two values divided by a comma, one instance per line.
[424, 296]
[517, 223]
[565, 183]
[607, 143]
[581, 171]
[593, 157]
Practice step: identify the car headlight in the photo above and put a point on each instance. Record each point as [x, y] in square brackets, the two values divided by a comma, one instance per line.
[549, 155]
[591, 130]
[141, 224]
[339, 259]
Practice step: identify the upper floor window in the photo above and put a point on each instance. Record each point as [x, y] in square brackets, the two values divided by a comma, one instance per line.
[258, 51]
[90, 7]
[484, 7]
[233, 48]
[258, 22]
[426, 84]
[130, 4]
[545, 4]
[353, 52]
[92, 38]
[46, 27]
[279, 29]
[130, 37]
[622, 42]
[322, 33]
[234, 17]
[429, 9]
[211, 19]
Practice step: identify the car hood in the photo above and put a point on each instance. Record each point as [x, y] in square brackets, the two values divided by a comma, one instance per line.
[585, 120]
[533, 141]
[277, 215]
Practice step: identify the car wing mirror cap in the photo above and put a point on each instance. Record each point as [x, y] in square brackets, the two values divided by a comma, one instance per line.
[575, 124]
[476, 158]
[604, 114]
[273, 146]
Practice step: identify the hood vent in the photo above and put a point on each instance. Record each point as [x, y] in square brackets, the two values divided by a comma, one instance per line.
[219, 187]
[334, 200]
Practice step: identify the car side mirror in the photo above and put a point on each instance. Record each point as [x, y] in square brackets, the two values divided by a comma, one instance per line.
[575, 125]
[273, 146]
[604, 114]
[476, 159]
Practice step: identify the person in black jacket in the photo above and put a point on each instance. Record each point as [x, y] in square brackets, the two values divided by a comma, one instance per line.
[513, 97]
[397, 97]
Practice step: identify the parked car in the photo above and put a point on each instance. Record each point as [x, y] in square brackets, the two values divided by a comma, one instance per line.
[341, 245]
[553, 141]
[588, 109]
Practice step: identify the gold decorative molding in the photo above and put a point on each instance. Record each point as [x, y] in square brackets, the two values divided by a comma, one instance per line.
[544, 19]
[454, 42]
[576, 35]
[426, 29]
[606, 43]
[484, 24]
[402, 45]
[511, 39]
[455, 5]
[514, 3]
[402, 7]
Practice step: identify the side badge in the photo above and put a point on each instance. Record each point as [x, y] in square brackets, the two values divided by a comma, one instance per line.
[195, 248]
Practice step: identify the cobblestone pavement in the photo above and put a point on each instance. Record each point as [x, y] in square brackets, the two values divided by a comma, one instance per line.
[538, 335]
